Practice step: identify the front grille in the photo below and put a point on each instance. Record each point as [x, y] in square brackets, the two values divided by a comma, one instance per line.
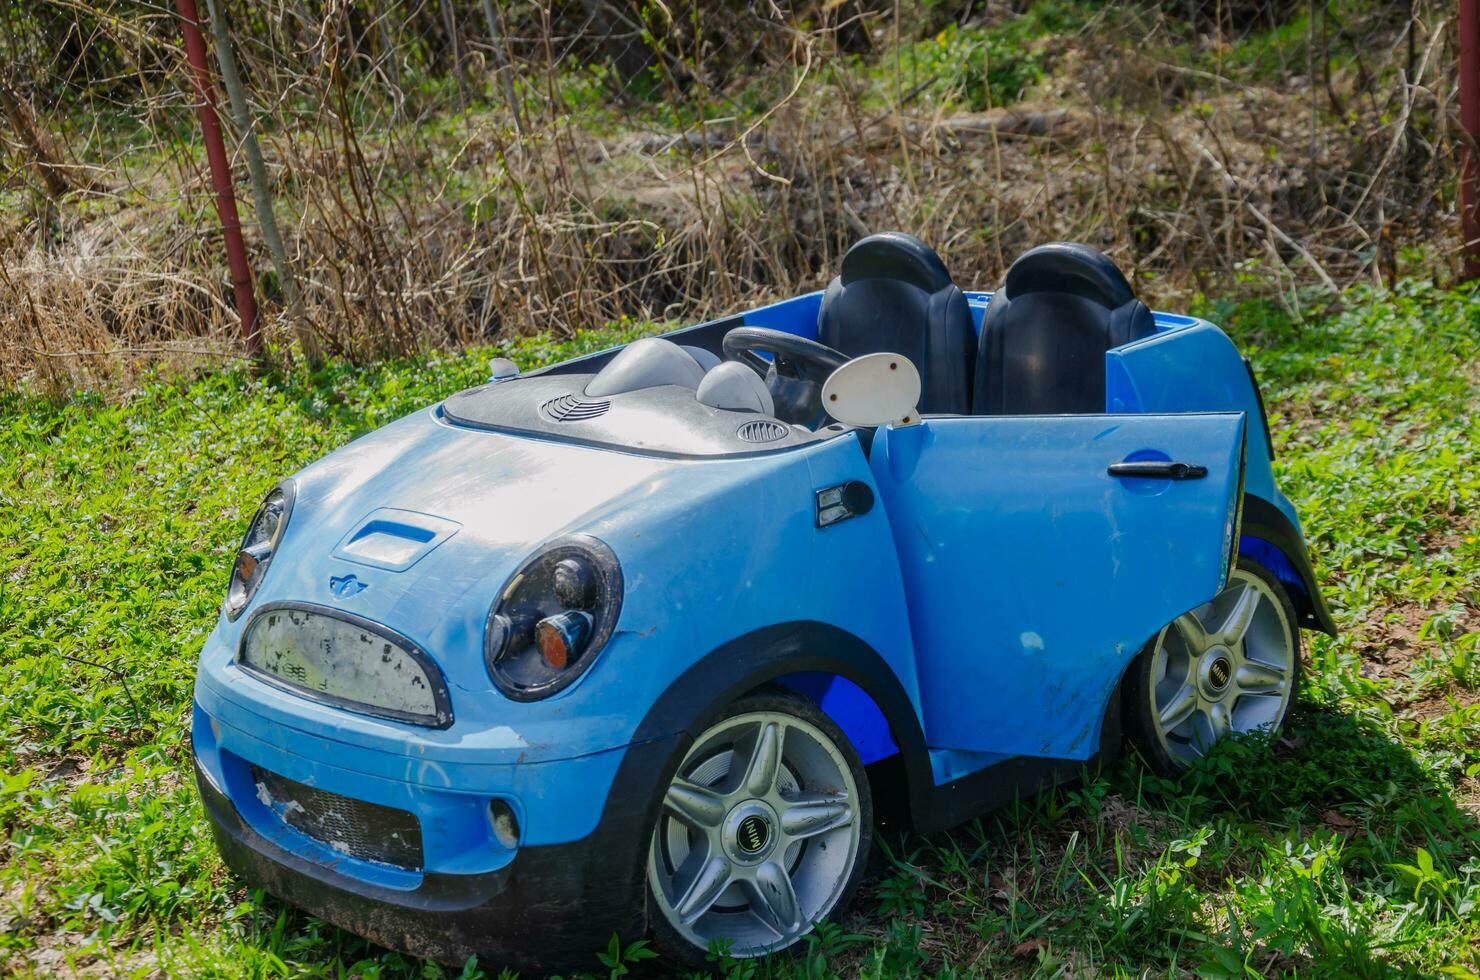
[367, 831]
[330, 656]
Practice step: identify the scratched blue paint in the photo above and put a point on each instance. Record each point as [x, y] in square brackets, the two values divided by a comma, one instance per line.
[1003, 578]
[1033, 576]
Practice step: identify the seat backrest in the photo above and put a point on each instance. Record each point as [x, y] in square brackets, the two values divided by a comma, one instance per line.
[1046, 331]
[894, 294]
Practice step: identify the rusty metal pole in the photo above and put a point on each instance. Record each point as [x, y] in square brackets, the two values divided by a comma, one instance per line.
[1469, 117]
[210, 127]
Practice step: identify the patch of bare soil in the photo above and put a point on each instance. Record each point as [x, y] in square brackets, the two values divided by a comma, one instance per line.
[68, 954]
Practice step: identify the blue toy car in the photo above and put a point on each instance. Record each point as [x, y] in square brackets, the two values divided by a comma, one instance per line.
[635, 643]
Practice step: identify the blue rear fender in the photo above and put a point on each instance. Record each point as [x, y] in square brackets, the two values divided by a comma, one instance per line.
[1191, 365]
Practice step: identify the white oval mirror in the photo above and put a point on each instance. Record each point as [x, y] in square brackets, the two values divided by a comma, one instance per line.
[872, 390]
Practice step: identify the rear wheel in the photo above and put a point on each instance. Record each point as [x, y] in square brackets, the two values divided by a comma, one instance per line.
[764, 830]
[1229, 666]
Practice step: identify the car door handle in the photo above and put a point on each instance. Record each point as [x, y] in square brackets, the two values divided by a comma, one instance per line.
[1155, 469]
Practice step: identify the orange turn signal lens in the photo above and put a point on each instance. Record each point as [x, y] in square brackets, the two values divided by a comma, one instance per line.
[562, 637]
[246, 565]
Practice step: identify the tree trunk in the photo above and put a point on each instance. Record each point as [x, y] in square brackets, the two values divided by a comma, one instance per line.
[389, 52]
[220, 166]
[454, 49]
[241, 115]
[44, 157]
[501, 65]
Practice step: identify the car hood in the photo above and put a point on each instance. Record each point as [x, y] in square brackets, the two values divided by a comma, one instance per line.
[503, 490]
[433, 510]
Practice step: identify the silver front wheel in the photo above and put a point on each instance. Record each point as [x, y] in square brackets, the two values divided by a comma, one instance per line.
[1228, 666]
[763, 830]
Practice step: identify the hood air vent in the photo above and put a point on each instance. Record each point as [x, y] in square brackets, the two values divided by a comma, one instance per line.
[569, 408]
[762, 430]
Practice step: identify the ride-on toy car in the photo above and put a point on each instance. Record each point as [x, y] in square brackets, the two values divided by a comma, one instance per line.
[619, 645]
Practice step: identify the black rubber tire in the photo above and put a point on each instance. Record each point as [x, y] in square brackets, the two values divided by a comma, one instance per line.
[667, 939]
[1140, 728]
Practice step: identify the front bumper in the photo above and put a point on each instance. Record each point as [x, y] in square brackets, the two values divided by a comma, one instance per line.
[537, 907]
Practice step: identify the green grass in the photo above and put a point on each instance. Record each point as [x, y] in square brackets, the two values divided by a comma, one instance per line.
[1348, 847]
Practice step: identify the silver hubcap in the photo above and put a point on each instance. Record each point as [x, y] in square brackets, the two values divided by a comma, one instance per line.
[1227, 666]
[758, 835]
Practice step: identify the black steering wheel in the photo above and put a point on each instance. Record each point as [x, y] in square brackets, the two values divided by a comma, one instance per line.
[796, 375]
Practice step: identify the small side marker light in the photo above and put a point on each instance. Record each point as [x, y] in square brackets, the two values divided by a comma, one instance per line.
[843, 501]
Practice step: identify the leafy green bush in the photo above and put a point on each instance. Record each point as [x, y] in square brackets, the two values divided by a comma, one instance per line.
[975, 67]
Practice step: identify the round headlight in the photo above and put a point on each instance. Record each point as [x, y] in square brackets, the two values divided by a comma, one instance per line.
[257, 549]
[552, 617]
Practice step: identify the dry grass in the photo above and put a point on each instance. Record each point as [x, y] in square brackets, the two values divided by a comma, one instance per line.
[1274, 161]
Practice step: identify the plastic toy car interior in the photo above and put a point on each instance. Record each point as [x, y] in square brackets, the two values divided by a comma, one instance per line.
[635, 642]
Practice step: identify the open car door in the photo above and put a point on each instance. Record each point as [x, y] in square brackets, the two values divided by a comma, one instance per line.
[1040, 553]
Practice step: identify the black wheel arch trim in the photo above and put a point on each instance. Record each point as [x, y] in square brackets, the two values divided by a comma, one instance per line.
[1263, 520]
[695, 699]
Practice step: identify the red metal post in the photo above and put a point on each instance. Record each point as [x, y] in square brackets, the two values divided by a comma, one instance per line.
[1469, 117]
[210, 127]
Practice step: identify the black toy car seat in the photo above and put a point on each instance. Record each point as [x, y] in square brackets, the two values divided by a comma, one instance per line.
[1043, 342]
[894, 294]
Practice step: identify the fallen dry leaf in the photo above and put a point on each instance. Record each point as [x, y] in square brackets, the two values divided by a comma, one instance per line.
[1028, 947]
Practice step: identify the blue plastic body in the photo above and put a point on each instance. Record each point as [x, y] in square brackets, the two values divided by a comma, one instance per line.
[1031, 606]
[1004, 580]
